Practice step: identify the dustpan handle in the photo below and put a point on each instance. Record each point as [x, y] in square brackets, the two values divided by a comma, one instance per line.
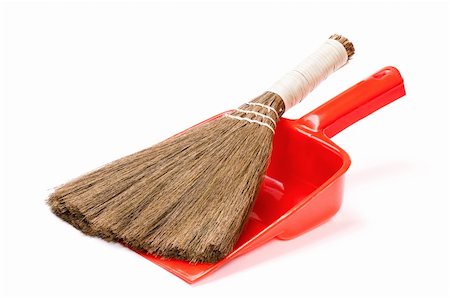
[357, 102]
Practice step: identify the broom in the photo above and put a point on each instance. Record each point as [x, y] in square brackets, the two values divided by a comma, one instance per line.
[189, 196]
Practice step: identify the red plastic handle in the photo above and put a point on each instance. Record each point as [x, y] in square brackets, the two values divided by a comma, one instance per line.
[357, 102]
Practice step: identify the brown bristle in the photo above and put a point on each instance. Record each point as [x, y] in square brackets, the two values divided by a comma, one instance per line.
[348, 45]
[168, 201]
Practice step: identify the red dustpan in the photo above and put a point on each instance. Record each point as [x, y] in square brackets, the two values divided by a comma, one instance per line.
[304, 185]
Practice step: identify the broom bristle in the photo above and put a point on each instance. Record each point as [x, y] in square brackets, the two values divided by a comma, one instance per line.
[187, 197]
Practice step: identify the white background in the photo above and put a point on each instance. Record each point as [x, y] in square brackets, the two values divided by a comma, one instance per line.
[83, 83]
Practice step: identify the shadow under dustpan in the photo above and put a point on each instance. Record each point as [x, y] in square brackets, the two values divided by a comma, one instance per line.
[303, 186]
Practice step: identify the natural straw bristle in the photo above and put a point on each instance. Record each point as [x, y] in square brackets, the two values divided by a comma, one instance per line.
[348, 45]
[187, 197]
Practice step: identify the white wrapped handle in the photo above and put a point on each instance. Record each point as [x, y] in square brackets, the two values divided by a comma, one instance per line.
[299, 82]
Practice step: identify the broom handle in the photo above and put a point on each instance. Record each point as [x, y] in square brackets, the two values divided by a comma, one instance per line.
[299, 82]
[357, 102]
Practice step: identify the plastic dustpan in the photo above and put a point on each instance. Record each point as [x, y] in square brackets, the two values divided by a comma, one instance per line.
[304, 183]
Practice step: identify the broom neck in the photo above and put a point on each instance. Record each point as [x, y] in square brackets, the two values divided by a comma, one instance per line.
[299, 82]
